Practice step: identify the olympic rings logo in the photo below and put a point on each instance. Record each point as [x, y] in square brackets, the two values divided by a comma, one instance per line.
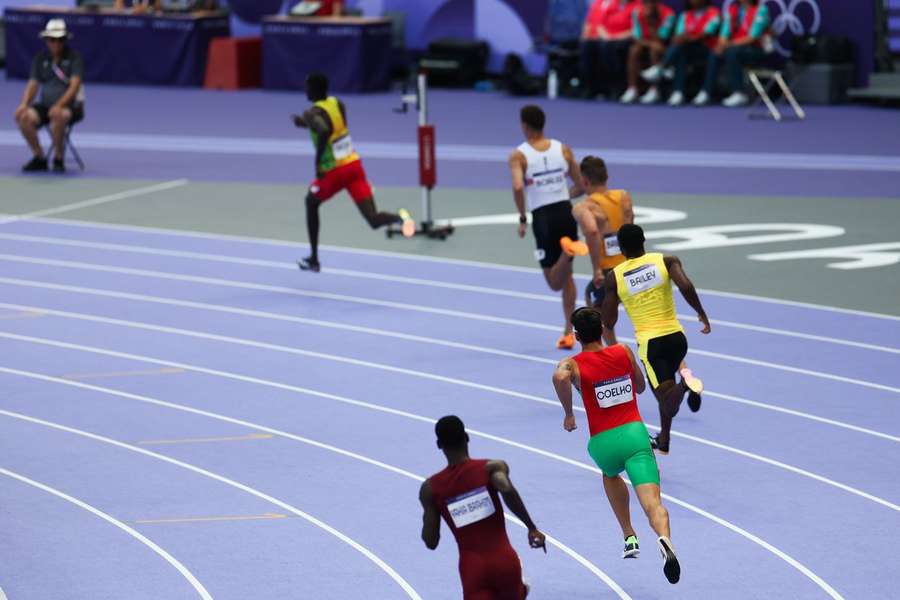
[787, 20]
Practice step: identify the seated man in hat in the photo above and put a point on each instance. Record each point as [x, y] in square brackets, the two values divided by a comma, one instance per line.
[56, 73]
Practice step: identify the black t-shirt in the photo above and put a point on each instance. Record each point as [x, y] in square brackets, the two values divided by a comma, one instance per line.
[55, 81]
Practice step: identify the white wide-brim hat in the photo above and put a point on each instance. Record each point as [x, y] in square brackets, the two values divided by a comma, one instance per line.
[56, 29]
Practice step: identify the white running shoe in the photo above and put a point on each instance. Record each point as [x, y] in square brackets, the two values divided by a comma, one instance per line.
[701, 99]
[651, 97]
[652, 74]
[671, 568]
[676, 99]
[736, 99]
[629, 96]
[668, 73]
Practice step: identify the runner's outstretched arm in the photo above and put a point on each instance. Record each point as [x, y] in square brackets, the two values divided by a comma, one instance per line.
[591, 226]
[321, 126]
[687, 289]
[610, 309]
[517, 171]
[499, 473]
[431, 518]
[637, 376]
[574, 173]
[562, 382]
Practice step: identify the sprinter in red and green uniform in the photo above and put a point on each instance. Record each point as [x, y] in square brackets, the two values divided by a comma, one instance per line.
[338, 167]
[609, 381]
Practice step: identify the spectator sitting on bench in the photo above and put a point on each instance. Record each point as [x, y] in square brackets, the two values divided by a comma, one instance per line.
[696, 35]
[740, 45]
[653, 26]
[605, 39]
[57, 73]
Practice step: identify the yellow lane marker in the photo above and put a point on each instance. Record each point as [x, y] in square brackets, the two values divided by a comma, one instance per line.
[262, 517]
[233, 438]
[163, 371]
[22, 314]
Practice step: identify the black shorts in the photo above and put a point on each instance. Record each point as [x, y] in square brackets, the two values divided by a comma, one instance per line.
[595, 294]
[662, 357]
[551, 223]
[43, 112]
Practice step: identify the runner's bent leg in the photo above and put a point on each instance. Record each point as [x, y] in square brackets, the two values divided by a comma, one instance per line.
[374, 218]
[312, 225]
[657, 515]
[617, 494]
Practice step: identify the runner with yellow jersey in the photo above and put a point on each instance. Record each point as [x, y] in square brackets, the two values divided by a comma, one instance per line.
[643, 284]
[338, 167]
[600, 216]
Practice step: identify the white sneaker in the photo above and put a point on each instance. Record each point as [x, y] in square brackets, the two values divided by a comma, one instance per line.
[736, 99]
[668, 73]
[701, 99]
[651, 97]
[629, 96]
[652, 74]
[676, 99]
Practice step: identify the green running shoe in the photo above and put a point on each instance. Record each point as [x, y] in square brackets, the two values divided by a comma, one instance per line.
[632, 549]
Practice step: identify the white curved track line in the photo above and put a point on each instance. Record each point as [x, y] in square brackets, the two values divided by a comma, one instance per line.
[434, 259]
[269, 264]
[277, 432]
[400, 581]
[413, 307]
[550, 455]
[372, 331]
[460, 382]
[201, 591]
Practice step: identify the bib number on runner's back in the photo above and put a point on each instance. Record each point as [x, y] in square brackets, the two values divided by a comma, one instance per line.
[611, 244]
[613, 392]
[643, 278]
[470, 507]
[342, 147]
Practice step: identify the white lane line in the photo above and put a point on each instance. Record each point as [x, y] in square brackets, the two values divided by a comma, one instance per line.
[422, 339]
[379, 408]
[460, 382]
[195, 583]
[356, 274]
[284, 434]
[160, 187]
[400, 581]
[268, 146]
[74, 223]
[395, 305]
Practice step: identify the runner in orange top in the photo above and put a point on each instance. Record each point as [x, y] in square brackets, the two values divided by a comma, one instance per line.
[467, 495]
[600, 216]
[338, 167]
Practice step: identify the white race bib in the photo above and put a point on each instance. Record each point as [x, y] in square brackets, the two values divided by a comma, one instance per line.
[550, 182]
[611, 244]
[470, 507]
[342, 147]
[614, 391]
[643, 278]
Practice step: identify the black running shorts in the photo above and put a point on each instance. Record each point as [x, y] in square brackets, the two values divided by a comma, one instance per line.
[663, 357]
[549, 224]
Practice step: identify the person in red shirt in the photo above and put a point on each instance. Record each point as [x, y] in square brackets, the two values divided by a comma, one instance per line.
[609, 381]
[653, 23]
[467, 495]
[605, 39]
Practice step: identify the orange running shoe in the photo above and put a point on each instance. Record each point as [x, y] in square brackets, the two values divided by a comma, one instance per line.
[572, 247]
[566, 341]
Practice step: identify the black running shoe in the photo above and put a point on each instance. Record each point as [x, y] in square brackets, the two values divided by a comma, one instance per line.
[59, 166]
[308, 264]
[694, 401]
[656, 445]
[671, 568]
[632, 548]
[36, 164]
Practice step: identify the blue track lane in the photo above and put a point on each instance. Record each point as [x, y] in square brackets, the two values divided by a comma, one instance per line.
[234, 330]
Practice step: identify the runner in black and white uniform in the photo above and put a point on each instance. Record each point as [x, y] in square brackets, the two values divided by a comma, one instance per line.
[539, 169]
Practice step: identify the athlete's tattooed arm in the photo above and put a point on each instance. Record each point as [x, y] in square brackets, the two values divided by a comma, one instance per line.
[499, 474]
[431, 518]
[687, 289]
[565, 375]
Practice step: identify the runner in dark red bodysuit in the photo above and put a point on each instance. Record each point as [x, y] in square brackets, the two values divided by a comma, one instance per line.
[467, 495]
